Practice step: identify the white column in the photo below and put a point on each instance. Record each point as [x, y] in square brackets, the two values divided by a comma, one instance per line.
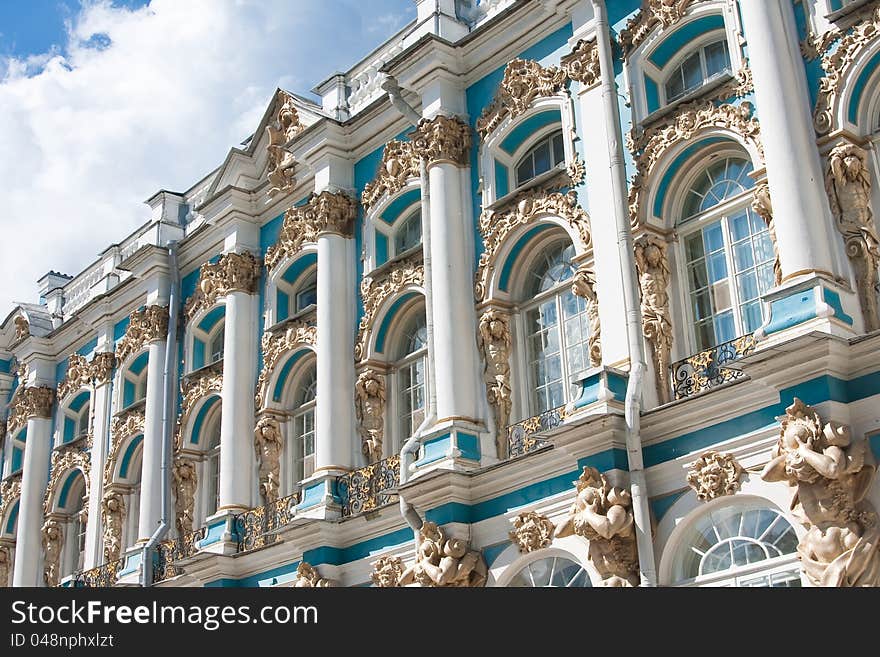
[237, 419]
[458, 390]
[151, 469]
[100, 436]
[801, 213]
[35, 478]
[334, 421]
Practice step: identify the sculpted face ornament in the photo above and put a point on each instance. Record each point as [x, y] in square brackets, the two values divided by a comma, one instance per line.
[387, 572]
[532, 531]
[714, 475]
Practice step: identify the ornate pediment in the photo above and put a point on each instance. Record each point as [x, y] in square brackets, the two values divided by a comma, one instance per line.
[400, 163]
[65, 459]
[654, 13]
[274, 344]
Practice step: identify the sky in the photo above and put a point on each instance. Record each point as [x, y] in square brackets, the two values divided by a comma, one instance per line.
[104, 102]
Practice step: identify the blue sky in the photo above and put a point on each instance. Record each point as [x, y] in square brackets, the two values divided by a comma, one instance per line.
[102, 103]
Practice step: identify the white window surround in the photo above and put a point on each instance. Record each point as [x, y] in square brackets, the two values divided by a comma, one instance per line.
[81, 418]
[138, 380]
[275, 282]
[193, 331]
[374, 224]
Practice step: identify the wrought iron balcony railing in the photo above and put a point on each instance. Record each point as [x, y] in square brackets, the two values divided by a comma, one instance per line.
[103, 576]
[370, 487]
[173, 550]
[521, 437]
[706, 369]
[259, 527]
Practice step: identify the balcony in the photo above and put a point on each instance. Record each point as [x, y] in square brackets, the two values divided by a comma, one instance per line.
[522, 438]
[103, 576]
[259, 527]
[369, 488]
[174, 550]
[705, 370]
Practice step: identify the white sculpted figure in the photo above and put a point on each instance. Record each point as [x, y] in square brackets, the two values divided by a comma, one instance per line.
[654, 278]
[494, 340]
[185, 481]
[5, 563]
[444, 562]
[268, 443]
[53, 544]
[307, 576]
[831, 473]
[584, 286]
[370, 406]
[112, 516]
[281, 163]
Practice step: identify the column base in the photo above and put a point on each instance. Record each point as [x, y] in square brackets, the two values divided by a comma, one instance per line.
[320, 498]
[810, 304]
[221, 535]
[603, 392]
[453, 445]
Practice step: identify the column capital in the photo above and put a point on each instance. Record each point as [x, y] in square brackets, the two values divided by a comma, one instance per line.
[233, 272]
[33, 402]
[443, 139]
[144, 327]
[333, 213]
[101, 367]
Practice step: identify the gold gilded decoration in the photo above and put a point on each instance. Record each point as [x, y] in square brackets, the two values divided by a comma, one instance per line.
[762, 205]
[194, 387]
[837, 66]
[52, 539]
[274, 345]
[101, 367]
[582, 64]
[523, 82]
[442, 561]
[78, 376]
[603, 515]
[185, 479]
[129, 424]
[576, 170]
[327, 212]
[369, 394]
[387, 572]
[144, 326]
[268, 444]
[280, 164]
[443, 139]
[400, 163]
[64, 460]
[112, 519]
[495, 341]
[33, 401]
[584, 286]
[654, 275]
[653, 13]
[531, 532]
[374, 291]
[830, 473]
[848, 183]
[531, 205]
[307, 576]
[5, 565]
[233, 272]
[714, 475]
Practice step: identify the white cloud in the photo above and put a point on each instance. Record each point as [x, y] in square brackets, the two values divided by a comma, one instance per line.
[148, 99]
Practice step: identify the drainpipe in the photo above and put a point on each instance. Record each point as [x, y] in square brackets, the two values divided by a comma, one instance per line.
[167, 410]
[641, 513]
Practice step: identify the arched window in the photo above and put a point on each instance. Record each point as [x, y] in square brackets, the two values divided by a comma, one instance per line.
[411, 377]
[131, 477]
[16, 452]
[698, 68]
[71, 505]
[728, 253]
[307, 293]
[215, 348]
[553, 571]
[300, 448]
[75, 416]
[408, 234]
[543, 156]
[738, 546]
[556, 328]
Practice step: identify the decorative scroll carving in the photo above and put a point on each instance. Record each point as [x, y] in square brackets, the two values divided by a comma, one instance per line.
[714, 475]
[34, 401]
[584, 286]
[327, 212]
[233, 272]
[268, 443]
[275, 345]
[815, 45]
[112, 518]
[762, 205]
[22, 328]
[444, 562]
[532, 531]
[523, 82]
[654, 276]
[281, 165]
[65, 459]
[603, 515]
[582, 64]
[687, 121]
[653, 13]
[837, 65]
[495, 341]
[831, 474]
[52, 536]
[576, 170]
[78, 375]
[185, 483]
[307, 576]
[144, 326]
[387, 572]
[848, 184]
[369, 393]
[101, 367]
[193, 388]
[374, 291]
[443, 139]
[122, 427]
[527, 207]
[400, 162]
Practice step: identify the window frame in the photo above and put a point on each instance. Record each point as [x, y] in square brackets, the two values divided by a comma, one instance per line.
[548, 138]
[394, 401]
[295, 459]
[677, 64]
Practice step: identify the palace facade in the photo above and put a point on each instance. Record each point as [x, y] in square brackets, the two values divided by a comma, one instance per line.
[539, 293]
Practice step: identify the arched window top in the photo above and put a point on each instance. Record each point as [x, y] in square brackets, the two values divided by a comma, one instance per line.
[550, 268]
[730, 540]
[555, 571]
[540, 158]
[308, 386]
[414, 335]
[721, 180]
[701, 66]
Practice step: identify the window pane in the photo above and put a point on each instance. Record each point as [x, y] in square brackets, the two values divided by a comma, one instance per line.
[542, 158]
[713, 237]
[525, 171]
[699, 277]
[747, 284]
[724, 327]
[717, 267]
[717, 59]
[739, 226]
[558, 149]
[695, 247]
[693, 75]
[751, 316]
[674, 86]
[742, 256]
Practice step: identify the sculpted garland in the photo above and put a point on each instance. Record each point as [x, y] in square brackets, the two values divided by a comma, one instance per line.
[653, 13]
[400, 163]
[192, 389]
[64, 460]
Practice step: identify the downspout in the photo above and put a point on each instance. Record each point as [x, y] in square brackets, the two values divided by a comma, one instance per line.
[632, 412]
[410, 449]
[167, 410]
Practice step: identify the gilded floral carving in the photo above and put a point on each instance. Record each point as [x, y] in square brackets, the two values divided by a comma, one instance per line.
[144, 326]
[374, 291]
[284, 126]
[443, 561]
[654, 275]
[268, 444]
[602, 514]
[495, 342]
[582, 64]
[32, 401]
[10, 491]
[78, 375]
[185, 479]
[763, 206]
[387, 572]
[848, 183]
[369, 393]
[653, 13]
[122, 426]
[233, 272]
[193, 388]
[714, 475]
[529, 206]
[443, 139]
[584, 286]
[532, 531]
[307, 576]
[400, 163]
[101, 367]
[274, 345]
[112, 519]
[830, 473]
[64, 459]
